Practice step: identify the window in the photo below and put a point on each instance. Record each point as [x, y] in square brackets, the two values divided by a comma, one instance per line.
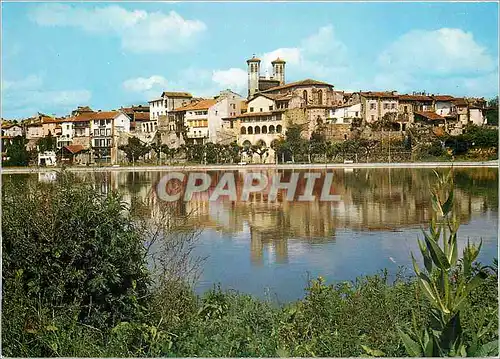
[393, 106]
[108, 142]
[102, 123]
[320, 97]
[108, 132]
[103, 132]
[215, 112]
[406, 109]
[373, 117]
[251, 109]
[108, 122]
[67, 127]
[373, 106]
[96, 132]
[386, 106]
[270, 108]
[357, 114]
[261, 109]
[304, 95]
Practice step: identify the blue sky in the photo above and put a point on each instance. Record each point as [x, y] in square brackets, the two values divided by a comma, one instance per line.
[106, 55]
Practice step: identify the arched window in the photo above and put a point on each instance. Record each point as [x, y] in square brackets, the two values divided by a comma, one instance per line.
[304, 95]
[250, 130]
[264, 129]
[320, 97]
[243, 131]
[257, 130]
[271, 129]
[278, 129]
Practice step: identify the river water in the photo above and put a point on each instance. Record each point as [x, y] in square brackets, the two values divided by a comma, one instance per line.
[271, 248]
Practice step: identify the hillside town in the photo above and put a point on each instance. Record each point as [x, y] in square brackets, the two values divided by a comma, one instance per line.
[258, 120]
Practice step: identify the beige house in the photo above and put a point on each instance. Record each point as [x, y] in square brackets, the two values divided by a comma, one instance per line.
[374, 105]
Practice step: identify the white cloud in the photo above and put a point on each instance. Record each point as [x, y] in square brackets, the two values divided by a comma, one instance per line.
[445, 61]
[321, 55]
[30, 82]
[324, 42]
[138, 30]
[141, 84]
[439, 52]
[234, 78]
[25, 96]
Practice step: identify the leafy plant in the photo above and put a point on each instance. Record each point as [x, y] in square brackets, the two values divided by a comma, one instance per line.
[446, 288]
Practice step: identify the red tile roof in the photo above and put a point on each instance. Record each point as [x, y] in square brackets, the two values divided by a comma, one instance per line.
[414, 98]
[74, 148]
[200, 105]
[104, 115]
[257, 114]
[385, 94]
[141, 116]
[443, 97]
[429, 115]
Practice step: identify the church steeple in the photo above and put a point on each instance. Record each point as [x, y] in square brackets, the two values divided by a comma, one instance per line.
[253, 75]
[279, 70]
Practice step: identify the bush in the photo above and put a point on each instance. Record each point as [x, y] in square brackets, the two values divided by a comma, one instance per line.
[66, 246]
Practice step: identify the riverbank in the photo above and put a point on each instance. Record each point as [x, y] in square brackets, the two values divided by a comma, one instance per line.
[21, 170]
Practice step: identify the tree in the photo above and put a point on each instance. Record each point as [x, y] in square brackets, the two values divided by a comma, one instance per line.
[234, 152]
[294, 141]
[260, 149]
[16, 152]
[47, 143]
[317, 145]
[134, 149]
[492, 112]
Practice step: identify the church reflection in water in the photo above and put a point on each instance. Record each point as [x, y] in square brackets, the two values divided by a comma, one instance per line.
[371, 200]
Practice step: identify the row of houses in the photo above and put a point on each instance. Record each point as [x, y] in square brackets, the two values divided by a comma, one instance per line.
[260, 118]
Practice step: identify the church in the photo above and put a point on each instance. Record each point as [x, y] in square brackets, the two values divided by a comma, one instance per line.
[257, 83]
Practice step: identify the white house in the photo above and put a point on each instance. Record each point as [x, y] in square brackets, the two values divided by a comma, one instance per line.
[167, 102]
[196, 119]
[476, 115]
[345, 114]
[228, 105]
[105, 129]
[12, 130]
[67, 134]
[443, 104]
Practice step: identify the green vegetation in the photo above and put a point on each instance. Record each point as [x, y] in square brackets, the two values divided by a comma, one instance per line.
[76, 282]
[16, 152]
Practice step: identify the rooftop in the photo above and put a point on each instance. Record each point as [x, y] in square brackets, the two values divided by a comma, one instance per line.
[176, 94]
[385, 94]
[429, 115]
[306, 82]
[200, 105]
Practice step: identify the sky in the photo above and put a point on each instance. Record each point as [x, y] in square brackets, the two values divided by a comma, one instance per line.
[57, 56]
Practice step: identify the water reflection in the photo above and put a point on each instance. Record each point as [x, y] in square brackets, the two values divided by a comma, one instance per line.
[257, 243]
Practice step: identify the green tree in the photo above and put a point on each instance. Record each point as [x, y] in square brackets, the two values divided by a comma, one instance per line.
[492, 112]
[260, 149]
[16, 152]
[47, 143]
[295, 143]
[134, 149]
